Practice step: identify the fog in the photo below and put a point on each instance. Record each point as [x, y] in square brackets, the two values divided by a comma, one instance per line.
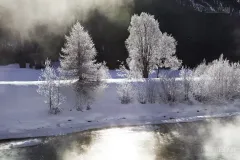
[21, 16]
[224, 141]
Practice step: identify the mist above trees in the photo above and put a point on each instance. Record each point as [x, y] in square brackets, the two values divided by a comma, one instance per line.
[199, 35]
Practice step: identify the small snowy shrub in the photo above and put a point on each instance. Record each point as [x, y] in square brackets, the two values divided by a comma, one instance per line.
[146, 91]
[151, 91]
[173, 89]
[168, 90]
[185, 82]
[141, 93]
[197, 84]
[125, 92]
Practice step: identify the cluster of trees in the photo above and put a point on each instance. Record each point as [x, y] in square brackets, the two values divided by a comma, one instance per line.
[78, 65]
[148, 48]
[214, 83]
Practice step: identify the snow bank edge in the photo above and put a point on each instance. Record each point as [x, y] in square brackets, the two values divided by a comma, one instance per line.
[48, 132]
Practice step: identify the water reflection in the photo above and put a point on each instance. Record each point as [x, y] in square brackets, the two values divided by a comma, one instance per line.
[179, 144]
[50, 149]
[186, 141]
[117, 144]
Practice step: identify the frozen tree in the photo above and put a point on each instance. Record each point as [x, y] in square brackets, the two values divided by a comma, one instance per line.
[143, 43]
[50, 88]
[166, 57]
[78, 63]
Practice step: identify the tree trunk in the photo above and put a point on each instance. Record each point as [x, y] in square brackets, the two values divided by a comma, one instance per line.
[158, 71]
[145, 73]
[79, 63]
[58, 93]
[21, 60]
[50, 99]
[50, 102]
[22, 64]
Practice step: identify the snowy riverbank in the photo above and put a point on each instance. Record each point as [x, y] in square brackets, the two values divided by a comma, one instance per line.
[23, 112]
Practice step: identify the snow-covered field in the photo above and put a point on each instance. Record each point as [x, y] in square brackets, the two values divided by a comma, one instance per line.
[24, 114]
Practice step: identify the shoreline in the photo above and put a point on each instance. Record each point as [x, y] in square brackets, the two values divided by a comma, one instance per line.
[91, 126]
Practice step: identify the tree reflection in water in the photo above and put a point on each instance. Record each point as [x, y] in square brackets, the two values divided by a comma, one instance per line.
[52, 148]
[175, 143]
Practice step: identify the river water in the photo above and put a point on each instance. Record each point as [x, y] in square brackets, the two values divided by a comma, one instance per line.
[204, 140]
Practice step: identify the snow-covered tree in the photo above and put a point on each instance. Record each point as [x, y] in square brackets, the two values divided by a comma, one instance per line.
[166, 57]
[143, 43]
[49, 87]
[78, 62]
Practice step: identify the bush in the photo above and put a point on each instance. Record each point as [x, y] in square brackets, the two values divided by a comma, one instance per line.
[125, 92]
[168, 90]
[146, 91]
[197, 84]
[141, 94]
[218, 82]
[151, 91]
[185, 82]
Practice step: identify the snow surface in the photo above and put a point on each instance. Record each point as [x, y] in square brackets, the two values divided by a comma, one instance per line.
[23, 112]
[20, 144]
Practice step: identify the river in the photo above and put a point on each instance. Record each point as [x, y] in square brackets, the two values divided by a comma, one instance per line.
[203, 140]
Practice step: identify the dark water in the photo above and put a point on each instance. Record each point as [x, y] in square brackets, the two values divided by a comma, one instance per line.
[205, 140]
